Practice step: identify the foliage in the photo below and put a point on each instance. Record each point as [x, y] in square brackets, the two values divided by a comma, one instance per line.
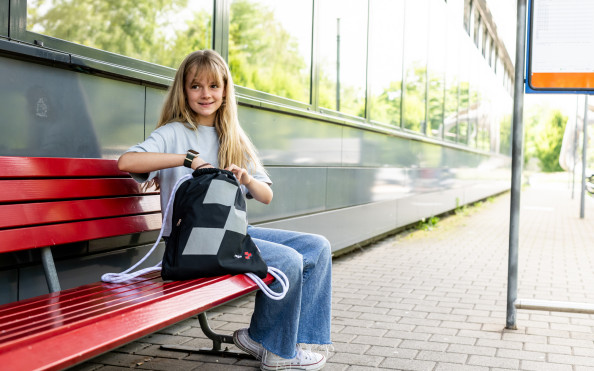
[427, 224]
[263, 55]
[548, 142]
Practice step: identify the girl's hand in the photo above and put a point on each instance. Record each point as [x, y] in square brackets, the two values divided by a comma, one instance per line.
[241, 174]
[197, 162]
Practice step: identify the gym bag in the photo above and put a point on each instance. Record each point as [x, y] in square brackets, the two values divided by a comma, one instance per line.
[209, 234]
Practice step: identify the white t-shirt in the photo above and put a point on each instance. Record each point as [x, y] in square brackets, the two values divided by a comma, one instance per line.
[177, 138]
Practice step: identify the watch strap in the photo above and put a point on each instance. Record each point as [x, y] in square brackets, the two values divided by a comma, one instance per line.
[190, 155]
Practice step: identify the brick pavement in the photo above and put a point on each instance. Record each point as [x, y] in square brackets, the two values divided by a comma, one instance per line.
[435, 300]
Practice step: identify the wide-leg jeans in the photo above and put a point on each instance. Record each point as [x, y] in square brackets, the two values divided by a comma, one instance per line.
[303, 315]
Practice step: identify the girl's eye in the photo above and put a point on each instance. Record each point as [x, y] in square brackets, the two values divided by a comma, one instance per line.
[214, 86]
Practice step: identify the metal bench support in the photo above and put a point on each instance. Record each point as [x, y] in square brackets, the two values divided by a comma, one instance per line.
[217, 341]
[51, 276]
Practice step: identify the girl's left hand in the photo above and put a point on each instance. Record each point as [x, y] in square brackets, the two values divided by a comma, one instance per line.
[241, 174]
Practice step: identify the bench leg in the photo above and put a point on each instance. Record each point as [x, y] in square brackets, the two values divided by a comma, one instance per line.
[51, 276]
[217, 341]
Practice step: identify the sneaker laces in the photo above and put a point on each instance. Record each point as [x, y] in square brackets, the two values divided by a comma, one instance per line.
[305, 356]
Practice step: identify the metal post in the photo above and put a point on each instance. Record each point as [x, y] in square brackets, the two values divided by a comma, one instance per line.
[574, 149]
[584, 160]
[337, 64]
[517, 157]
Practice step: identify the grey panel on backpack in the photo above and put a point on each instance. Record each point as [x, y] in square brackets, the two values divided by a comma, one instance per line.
[236, 221]
[204, 241]
[220, 192]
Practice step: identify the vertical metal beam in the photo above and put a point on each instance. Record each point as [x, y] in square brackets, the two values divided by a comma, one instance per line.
[584, 160]
[517, 159]
[220, 25]
[574, 149]
[338, 64]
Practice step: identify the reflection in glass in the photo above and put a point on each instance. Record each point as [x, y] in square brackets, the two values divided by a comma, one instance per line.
[161, 32]
[454, 34]
[270, 46]
[385, 60]
[474, 96]
[415, 65]
[436, 65]
[463, 109]
[343, 42]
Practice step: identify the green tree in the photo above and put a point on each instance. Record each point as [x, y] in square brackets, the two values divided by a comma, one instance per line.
[134, 28]
[263, 55]
[548, 142]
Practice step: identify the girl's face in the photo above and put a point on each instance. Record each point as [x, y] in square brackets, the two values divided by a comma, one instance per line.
[205, 95]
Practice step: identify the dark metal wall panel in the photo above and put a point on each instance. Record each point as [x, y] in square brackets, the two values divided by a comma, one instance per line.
[9, 287]
[355, 186]
[78, 271]
[292, 141]
[116, 111]
[154, 103]
[345, 227]
[57, 113]
[4, 18]
[297, 191]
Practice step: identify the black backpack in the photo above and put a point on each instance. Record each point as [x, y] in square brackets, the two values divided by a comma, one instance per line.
[209, 234]
[209, 230]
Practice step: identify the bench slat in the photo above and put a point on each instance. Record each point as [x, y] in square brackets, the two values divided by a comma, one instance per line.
[100, 334]
[27, 190]
[66, 313]
[57, 234]
[30, 214]
[50, 167]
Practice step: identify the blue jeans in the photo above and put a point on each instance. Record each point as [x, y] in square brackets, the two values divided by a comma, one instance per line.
[303, 316]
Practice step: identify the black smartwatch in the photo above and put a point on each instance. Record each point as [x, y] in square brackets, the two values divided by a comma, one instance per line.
[190, 157]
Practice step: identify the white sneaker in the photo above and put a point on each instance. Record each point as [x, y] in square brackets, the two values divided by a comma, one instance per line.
[304, 360]
[243, 341]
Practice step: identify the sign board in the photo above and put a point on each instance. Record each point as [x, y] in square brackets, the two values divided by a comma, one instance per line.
[560, 46]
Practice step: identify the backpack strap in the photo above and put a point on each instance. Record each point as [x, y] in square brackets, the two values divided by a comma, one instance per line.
[125, 276]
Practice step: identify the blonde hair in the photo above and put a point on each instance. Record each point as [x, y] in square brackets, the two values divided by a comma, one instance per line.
[234, 145]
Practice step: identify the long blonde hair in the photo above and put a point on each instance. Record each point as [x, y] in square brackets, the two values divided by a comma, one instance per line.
[234, 145]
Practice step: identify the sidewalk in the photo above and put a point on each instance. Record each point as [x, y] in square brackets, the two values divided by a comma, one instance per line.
[436, 300]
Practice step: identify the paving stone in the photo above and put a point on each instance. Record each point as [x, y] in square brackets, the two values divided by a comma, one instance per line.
[433, 301]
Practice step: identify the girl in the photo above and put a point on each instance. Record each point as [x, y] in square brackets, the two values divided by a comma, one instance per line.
[199, 128]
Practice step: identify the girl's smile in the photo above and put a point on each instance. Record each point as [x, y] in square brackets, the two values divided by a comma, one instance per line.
[204, 95]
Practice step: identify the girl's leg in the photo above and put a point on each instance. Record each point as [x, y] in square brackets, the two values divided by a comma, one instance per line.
[305, 312]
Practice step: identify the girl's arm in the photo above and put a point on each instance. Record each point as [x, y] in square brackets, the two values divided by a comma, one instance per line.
[259, 190]
[145, 162]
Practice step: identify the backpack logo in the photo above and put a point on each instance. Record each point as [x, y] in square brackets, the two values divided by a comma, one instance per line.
[248, 255]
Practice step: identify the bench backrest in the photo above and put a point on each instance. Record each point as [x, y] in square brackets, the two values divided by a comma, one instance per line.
[52, 201]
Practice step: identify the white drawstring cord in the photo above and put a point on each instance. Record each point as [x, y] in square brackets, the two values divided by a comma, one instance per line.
[125, 276]
[280, 277]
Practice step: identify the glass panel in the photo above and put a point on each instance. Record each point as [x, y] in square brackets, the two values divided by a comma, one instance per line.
[415, 65]
[270, 46]
[343, 42]
[474, 97]
[484, 107]
[161, 32]
[436, 66]
[385, 60]
[454, 34]
[463, 113]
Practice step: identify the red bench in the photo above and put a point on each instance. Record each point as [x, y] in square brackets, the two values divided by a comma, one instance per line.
[52, 201]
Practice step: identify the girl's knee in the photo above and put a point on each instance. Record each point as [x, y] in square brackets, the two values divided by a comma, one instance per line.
[322, 244]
